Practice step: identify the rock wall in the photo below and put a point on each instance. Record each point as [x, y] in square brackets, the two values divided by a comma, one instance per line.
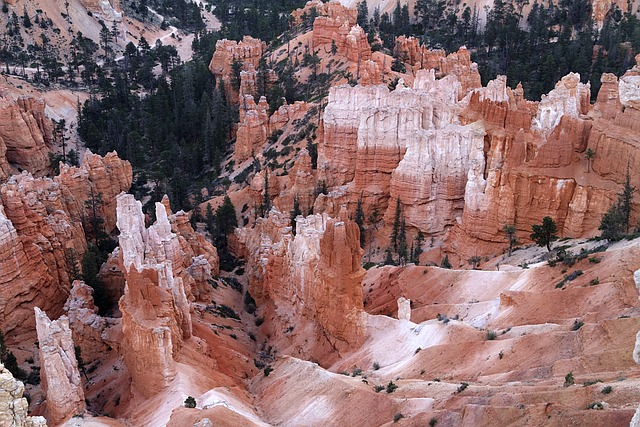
[41, 235]
[465, 160]
[13, 406]
[308, 285]
[248, 51]
[158, 266]
[332, 9]
[25, 136]
[59, 368]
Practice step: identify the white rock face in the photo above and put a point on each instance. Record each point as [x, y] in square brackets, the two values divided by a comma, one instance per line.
[404, 309]
[59, 368]
[13, 407]
[570, 97]
[635, 421]
[636, 349]
[629, 89]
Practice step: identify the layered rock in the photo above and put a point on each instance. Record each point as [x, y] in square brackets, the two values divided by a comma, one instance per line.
[332, 9]
[86, 325]
[25, 136]
[300, 185]
[13, 406]
[456, 63]
[59, 368]
[309, 285]
[248, 52]
[158, 266]
[41, 235]
[350, 40]
[253, 128]
[107, 9]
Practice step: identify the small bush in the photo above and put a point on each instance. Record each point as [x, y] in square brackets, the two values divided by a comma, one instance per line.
[190, 402]
[594, 282]
[569, 380]
[595, 259]
[491, 335]
[417, 350]
[397, 417]
[433, 422]
[591, 382]
[356, 371]
[391, 387]
[596, 405]
[577, 324]
[606, 390]
[259, 321]
[267, 370]
[463, 386]
[376, 366]
[378, 388]
[574, 275]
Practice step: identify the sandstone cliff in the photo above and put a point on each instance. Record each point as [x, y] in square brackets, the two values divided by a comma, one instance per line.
[160, 267]
[25, 136]
[41, 235]
[308, 285]
[59, 368]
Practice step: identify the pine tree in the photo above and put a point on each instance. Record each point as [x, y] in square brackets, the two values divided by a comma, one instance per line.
[266, 198]
[395, 232]
[359, 219]
[445, 262]
[419, 241]
[545, 233]
[26, 21]
[510, 233]
[402, 243]
[226, 222]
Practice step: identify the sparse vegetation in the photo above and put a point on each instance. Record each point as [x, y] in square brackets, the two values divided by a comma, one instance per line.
[606, 390]
[577, 324]
[545, 233]
[397, 417]
[491, 335]
[376, 366]
[391, 387]
[569, 380]
[596, 405]
[190, 402]
[463, 386]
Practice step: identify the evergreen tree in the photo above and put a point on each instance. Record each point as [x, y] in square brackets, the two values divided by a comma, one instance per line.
[359, 219]
[266, 198]
[363, 15]
[91, 262]
[445, 263]
[419, 241]
[395, 231]
[402, 243]
[26, 21]
[226, 222]
[510, 233]
[616, 221]
[9, 361]
[545, 233]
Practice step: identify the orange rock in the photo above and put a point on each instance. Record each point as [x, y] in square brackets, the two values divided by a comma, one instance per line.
[41, 235]
[332, 9]
[25, 136]
[320, 267]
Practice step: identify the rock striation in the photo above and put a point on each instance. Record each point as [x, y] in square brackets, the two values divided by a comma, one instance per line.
[41, 235]
[59, 368]
[25, 136]
[248, 52]
[309, 285]
[13, 406]
[158, 265]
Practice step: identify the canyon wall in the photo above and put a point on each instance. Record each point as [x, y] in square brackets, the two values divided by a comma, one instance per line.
[41, 235]
[308, 285]
[25, 136]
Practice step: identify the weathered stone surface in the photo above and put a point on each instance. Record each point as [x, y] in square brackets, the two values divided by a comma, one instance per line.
[570, 98]
[25, 136]
[59, 368]
[85, 323]
[160, 266]
[13, 407]
[42, 235]
[404, 309]
[311, 281]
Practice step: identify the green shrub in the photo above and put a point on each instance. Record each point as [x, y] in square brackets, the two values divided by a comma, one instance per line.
[190, 402]
[491, 335]
[569, 380]
[376, 366]
[577, 324]
[606, 390]
[391, 387]
[267, 370]
[397, 417]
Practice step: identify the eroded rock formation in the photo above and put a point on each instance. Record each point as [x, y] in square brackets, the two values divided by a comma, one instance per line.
[41, 235]
[59, 368]
[25, 136]
[309, 284]
[13, 406]
[158, 266]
